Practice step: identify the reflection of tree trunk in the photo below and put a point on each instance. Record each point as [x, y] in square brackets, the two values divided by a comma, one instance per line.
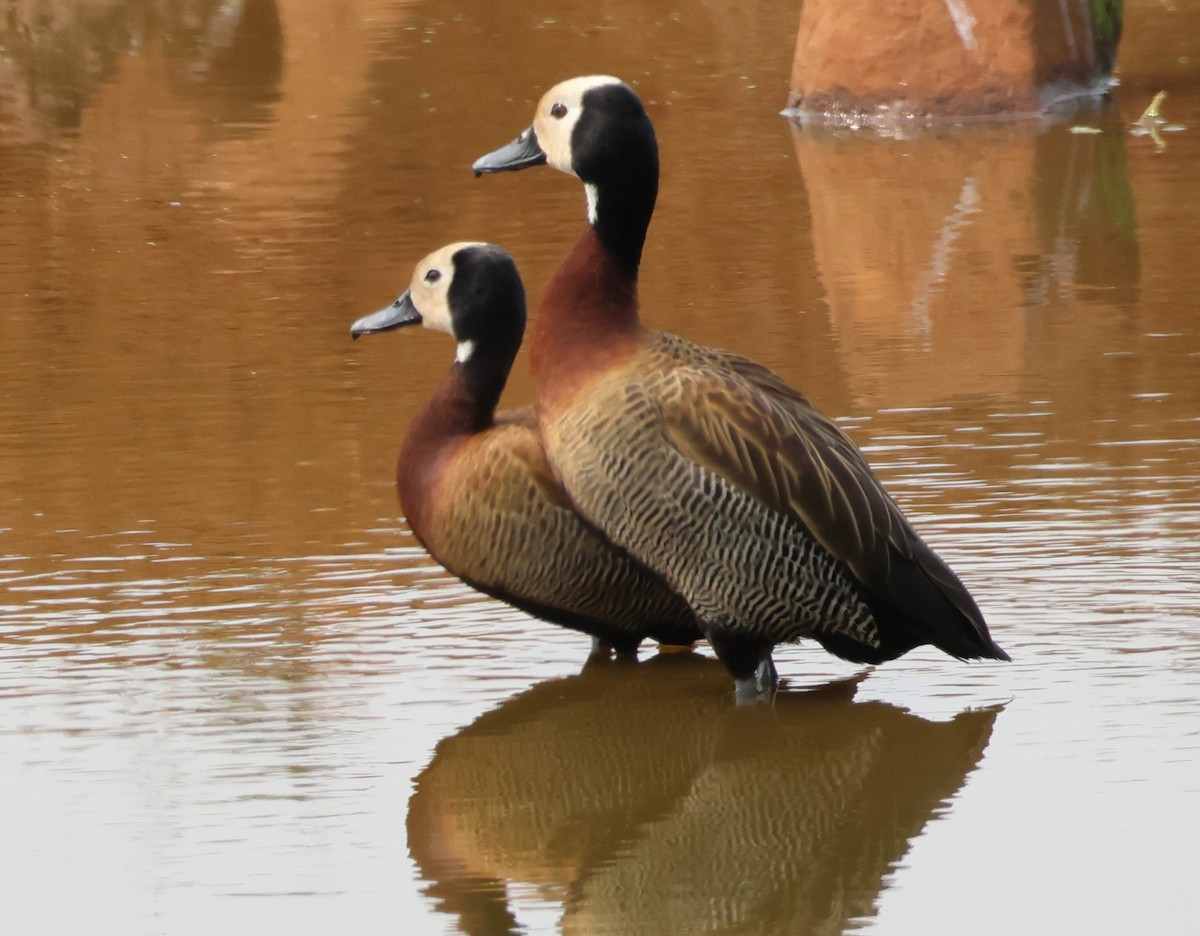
[933, 247]
[1084, 201]
[60, 54]
[938, 267]
[894, 58]
[238, 64]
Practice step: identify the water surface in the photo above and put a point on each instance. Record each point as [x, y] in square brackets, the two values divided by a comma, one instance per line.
[234, 692]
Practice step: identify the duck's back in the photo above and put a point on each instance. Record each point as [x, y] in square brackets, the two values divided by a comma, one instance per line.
[497, 518]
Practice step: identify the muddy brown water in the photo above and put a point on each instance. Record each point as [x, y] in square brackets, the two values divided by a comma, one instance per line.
[236, 696]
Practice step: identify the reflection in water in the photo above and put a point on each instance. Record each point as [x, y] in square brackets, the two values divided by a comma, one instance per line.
[219, 657]
[641, 800]
[944, 243]
[236, 64]
[56, 58]
[1086, 218]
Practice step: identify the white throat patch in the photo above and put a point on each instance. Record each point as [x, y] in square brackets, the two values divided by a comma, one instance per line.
[465, 350]
[593, 201]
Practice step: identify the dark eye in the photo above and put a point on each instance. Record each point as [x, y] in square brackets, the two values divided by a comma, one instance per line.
[433, 276]
[558, 110]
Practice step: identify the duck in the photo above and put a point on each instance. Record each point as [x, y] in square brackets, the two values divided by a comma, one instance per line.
[476, 487]
[700, 463]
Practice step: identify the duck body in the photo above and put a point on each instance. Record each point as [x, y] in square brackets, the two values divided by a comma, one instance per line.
[705, 466]
[718, 473]
[488, 507]
[479, 494]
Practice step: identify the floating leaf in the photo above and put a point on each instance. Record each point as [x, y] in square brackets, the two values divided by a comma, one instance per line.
[1150, 122]
[1150, 115]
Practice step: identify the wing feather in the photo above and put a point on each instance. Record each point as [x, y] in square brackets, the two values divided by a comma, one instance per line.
[743, 423]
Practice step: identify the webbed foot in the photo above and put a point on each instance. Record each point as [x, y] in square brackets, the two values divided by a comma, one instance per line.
[675, 648]
[760, 687]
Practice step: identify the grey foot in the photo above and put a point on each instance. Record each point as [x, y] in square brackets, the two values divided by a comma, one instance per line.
[757, 688]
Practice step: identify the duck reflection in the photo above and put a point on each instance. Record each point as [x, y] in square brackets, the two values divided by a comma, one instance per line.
[641, 800]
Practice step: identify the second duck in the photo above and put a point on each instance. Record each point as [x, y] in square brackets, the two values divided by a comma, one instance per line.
[475, 485]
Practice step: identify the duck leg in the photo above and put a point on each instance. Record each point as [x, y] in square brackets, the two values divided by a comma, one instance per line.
[601, 650]
[604, 650]
[758, 687]
[748, 660]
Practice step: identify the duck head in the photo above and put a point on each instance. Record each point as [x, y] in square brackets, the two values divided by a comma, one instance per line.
[470, 291]
[596, 129]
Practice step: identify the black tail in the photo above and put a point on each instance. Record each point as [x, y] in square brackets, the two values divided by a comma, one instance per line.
[922, 602]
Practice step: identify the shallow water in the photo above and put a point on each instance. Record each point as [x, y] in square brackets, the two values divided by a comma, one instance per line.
[236, 695]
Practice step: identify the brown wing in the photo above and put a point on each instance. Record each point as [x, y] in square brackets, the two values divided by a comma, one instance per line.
[742, 422]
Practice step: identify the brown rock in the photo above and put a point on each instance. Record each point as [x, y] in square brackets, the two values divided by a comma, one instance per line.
[904, 58]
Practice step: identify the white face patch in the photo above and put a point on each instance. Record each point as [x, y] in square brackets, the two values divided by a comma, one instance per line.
[557, 114]
[430, 289]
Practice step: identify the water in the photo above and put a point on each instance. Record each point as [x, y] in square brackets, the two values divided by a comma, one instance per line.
[235, 694]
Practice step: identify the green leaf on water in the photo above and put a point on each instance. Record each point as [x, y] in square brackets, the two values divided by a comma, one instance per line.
[1150, 122]
[1150, 115]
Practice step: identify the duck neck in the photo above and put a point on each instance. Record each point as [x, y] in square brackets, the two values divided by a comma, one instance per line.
[463, 405]
[619, 210]
[465, 401]
[589, 311]
[588, 318]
